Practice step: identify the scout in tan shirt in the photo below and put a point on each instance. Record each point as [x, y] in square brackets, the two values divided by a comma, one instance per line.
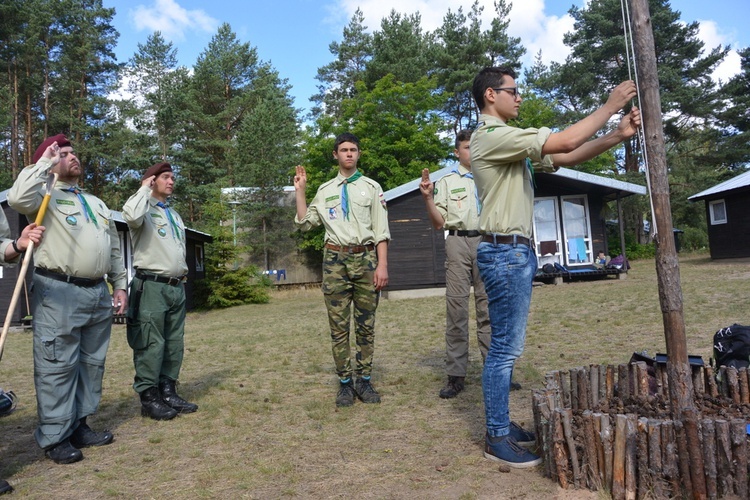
[355, 262]
[453, 204]
[70, 302]
[156, 316]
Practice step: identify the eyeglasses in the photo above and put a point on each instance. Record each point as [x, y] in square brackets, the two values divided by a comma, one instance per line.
[511, 90]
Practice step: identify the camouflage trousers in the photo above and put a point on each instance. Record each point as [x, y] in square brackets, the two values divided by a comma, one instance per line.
[348, 282]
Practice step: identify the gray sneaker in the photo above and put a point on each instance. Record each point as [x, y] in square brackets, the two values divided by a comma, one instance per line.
[365, 391]
[345, 396]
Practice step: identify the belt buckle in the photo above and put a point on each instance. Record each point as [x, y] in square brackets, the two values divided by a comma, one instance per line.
[173, 281]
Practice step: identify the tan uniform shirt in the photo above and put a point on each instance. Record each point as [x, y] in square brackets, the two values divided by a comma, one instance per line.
[5, 239]
[368, 217]
[504, 179]
[456, 200]
[156, 247]
[72, 244]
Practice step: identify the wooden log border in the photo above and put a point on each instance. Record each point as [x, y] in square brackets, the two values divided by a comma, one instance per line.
[585, 444]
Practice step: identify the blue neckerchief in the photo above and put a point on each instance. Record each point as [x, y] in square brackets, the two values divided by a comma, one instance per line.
[86, 208]
[476, 193]
[172, 224]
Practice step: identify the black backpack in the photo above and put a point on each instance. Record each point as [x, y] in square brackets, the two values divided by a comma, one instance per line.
[732, 346]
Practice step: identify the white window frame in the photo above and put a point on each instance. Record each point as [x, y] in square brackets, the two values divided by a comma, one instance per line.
[588, 239]
[557, 256]
[715, 220]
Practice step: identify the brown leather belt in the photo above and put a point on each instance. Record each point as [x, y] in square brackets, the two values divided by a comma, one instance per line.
[169, 280]
[353, 249]
[460, 232]
[506, 239]
[73, 280]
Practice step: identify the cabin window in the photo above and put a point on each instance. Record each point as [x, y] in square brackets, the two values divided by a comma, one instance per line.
[718, 211]
[577, 229]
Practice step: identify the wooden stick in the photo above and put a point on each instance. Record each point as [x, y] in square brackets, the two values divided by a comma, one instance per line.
[594, 385]
[655, 454]
[590, 453]
[631, 481]
[560, 457]
[567, 417]
[618, 459]
[606, 436]
[733, 384]
[739, 456]
[644, 478]
[723, 459]
[610, 382]
[51, 181]
[670, 463]
[713, 391]
[744, 386]
[623, 382]
[709, 456]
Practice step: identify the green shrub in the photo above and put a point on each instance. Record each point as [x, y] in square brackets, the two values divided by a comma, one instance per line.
[245, 285]
[694, 239]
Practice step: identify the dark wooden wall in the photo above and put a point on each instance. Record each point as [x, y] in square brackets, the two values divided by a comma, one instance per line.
[731, 240]
[416, 254]
[10, 274]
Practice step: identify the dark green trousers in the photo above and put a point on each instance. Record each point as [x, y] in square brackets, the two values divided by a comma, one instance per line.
[156, 331]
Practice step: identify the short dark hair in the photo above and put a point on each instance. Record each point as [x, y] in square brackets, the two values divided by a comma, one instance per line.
[489, 78]
[462, 136]
[345, 137]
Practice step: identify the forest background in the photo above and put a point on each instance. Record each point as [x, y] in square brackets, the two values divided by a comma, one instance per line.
[229, 120]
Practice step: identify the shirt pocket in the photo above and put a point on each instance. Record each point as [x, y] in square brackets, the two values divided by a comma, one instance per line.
[458, 200]
[361, 208]
[71, 216]
[333, 209]
[102, 219]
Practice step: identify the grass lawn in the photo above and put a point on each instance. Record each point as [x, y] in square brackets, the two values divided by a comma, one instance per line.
[268, 427]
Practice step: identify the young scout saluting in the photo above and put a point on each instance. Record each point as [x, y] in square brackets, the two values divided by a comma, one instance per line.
[156, 317]
[452, 204]
[355, 267]
[70, 301]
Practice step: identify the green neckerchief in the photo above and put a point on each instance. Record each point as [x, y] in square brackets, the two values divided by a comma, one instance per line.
[345, 192]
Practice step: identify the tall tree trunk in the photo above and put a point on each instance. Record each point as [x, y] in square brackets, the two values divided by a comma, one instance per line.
[667, 266]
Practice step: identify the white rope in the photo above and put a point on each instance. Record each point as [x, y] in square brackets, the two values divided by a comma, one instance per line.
[628, 34]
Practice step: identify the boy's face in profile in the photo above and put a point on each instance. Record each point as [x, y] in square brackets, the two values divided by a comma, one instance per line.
[347, 155]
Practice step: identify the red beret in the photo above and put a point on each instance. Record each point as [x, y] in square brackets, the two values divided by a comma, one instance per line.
[156, 170]
[61, 140]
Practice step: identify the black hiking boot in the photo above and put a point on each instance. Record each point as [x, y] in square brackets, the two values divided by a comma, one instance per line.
[168, 391]
[452, 387]
[365, 391]
[84, 436]
[345, 396]
[152, 405]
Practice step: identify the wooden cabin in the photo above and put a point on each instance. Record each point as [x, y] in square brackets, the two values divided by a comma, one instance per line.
[569, 226]
[728, 217]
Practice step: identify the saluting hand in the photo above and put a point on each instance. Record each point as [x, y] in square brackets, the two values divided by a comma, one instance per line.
[52, 153]
[149, 181]
[427, 187]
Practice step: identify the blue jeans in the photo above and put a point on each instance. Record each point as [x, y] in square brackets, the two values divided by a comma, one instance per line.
[508, 272]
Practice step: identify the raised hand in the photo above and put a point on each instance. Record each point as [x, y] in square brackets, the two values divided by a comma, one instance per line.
[300, 178]
[426, 186]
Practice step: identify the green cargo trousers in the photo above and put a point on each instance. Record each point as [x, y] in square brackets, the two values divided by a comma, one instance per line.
[156, 331]
[348, 278]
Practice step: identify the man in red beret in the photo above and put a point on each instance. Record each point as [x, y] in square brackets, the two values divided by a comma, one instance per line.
[156, 316]
[70, 301]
